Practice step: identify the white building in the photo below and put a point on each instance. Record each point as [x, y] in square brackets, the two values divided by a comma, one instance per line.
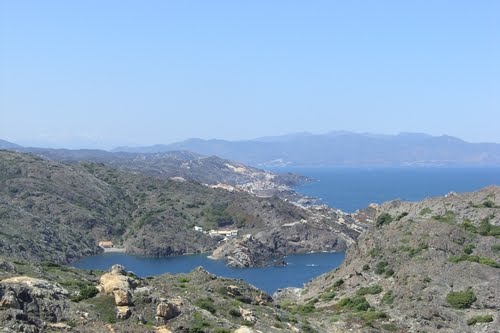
[225, 233]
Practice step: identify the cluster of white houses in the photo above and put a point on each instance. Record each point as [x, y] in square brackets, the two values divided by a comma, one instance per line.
[224, 233]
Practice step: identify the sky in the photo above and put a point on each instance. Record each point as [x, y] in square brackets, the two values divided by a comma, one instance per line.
[106, 73]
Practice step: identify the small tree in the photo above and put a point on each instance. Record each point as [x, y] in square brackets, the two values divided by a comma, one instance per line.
[461, 299]
[384, 218]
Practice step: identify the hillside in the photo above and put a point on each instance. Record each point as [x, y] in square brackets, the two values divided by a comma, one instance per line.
[342, 149]
[8, 145]
[37, 298]
[429, 266]
[210, 170]
[59, 212]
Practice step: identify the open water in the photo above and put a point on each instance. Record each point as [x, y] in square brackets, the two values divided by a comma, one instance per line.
[300, 269]
[350, 189]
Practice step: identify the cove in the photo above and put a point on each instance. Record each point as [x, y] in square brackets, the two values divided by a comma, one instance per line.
[301, 268]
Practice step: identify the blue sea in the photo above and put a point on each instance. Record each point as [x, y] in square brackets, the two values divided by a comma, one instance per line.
[346, 188]
[350, 189]
[300, 269]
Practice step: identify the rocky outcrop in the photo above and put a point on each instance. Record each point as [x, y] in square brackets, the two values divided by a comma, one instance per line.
[246, 251]
[268, 247]
[248, 315]
[27, 304]
[428, 266]
[7, 266]
[193, 302]
[116, 280]
[122, 297]
[233, 290]
[166, 310]
[118, 284]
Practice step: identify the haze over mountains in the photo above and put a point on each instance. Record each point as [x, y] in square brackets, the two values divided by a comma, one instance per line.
[338, 148]
[343, 149]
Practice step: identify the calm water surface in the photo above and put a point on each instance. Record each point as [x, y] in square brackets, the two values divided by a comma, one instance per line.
[300, 269]
[350, 189]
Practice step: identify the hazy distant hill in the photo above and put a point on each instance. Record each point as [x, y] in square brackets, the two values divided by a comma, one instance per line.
[342, 149]
[8, 145]
[191, 166]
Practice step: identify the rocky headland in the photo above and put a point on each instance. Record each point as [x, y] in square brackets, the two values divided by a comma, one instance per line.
[429, 266]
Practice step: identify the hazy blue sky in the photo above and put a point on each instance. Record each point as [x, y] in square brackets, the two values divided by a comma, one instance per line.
[104, 73]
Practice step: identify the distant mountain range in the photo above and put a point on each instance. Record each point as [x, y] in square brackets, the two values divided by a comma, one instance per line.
[342, 149]
[304, 149]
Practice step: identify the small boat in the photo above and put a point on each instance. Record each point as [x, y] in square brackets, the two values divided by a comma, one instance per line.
[312, 265]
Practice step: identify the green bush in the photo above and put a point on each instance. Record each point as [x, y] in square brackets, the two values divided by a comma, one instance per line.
[370, 316]
[488, 229]
[207, 304]
[198, 324]
[383, 219]
[400, 216]
[389, 272]
[375, 252]
[388, 297]
[372, 290]
[489, 204]
[234, 313]
[468, 249]
[357, 303]
[425, 211]
[467, 225]
[306, 328]
[461, 299]
[480, 319]
[86, 292]
[306, 308]
[381, 267]
[328, 296]
[298, 308]
[481, 260]
[448, 217]
[105, 307]
[338, 283]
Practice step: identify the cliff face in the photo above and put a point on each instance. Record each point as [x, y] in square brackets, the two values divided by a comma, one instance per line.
[326, 230]
[430, 266]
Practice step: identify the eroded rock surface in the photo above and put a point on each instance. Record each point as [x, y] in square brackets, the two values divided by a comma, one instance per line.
[27, 303]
